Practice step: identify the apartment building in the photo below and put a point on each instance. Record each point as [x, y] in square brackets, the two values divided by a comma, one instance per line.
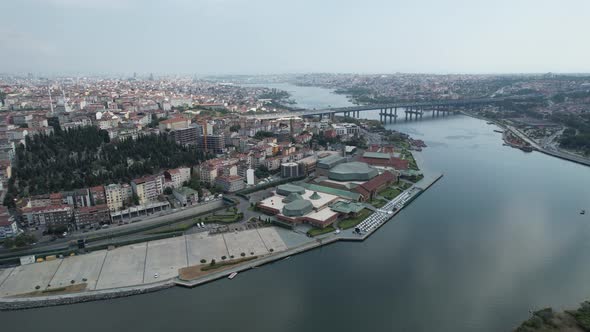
[148, 188]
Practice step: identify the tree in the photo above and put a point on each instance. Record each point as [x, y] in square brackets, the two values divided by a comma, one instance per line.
[135, 199]
[263, 134]
[212, 262]
[168, 191]
[261, 172]
[22, 240]
[8, 243]
[86, 157]
[235, 128]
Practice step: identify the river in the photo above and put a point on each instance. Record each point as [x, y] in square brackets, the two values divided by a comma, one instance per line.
[499, 235]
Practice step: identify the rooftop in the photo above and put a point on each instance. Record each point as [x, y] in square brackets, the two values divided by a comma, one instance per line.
[186, 191]
[353, 171]
[347, 207]
[332, 191]
[378, 155]
[286, 189]
[331, 161]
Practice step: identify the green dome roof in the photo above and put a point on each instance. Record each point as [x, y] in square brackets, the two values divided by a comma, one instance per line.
[315, 196]
[298, 208]
[353, 171]
[292, 197]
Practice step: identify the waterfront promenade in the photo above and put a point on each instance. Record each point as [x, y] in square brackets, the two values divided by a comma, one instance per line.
[154, 265]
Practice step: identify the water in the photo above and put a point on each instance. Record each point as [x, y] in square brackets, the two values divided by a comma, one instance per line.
[311, 97]
[500, 234]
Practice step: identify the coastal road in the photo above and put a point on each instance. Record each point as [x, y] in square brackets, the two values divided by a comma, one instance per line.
[114, 230]
[556, 152]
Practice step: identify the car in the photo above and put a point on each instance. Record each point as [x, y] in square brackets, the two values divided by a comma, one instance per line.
[156, 275]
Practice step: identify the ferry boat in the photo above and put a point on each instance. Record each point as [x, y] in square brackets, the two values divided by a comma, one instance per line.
[232, 275]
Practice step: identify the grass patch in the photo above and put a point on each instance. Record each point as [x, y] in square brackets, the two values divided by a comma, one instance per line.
[377, 202]
[56, 291]
[196, 271]
[390, 193]
[227, 263]
[404, 185]
[179, 227]
[351, 222]
[320, 231]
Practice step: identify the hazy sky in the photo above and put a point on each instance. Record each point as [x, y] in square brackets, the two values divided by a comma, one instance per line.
[276, 36]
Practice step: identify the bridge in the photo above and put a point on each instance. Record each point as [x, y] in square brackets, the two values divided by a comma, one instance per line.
[389, 111]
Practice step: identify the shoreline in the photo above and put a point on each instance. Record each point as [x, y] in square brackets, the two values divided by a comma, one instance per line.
[23, 303]
[557, 154]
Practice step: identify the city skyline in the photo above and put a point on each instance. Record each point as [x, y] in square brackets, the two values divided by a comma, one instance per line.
[239, 37]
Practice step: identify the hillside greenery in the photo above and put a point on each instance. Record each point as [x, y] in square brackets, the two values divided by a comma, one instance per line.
[86, 157]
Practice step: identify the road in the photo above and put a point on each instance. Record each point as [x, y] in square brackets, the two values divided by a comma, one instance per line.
[551, 149]
[114, 230]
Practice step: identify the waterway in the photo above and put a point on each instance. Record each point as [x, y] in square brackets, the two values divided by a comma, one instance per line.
[310, 97]
[499, 235]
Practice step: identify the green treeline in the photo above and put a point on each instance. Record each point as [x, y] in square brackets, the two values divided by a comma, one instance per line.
[577, 136]
[85, 157]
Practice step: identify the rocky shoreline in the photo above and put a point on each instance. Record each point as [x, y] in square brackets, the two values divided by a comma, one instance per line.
[8, 304]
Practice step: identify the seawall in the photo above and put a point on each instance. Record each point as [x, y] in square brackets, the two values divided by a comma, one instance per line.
[16, 303]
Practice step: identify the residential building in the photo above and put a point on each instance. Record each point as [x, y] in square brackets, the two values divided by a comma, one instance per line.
[186, 196]
[92, 216]
[117, 196]
[47, 215]
[148, 188]
[211, 143]
[231, 183]
[186, 136]
[97, 195]
[8, 226]
[175, 178]
[174, 123]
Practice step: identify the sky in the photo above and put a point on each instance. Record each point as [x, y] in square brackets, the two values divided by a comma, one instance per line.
[203, 37]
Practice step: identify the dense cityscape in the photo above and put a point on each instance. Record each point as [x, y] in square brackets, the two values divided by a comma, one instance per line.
[294, 166]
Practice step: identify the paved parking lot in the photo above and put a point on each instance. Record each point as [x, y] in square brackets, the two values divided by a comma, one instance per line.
[25, 278]
[78, 268]
[4, 273]
[165, 257]
[123, 266]
[136, 264]
[271, 239]
[202, 246]
[245, 242]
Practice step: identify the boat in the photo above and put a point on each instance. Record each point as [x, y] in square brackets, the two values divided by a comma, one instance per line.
[490, 123]
[526, 148]
[232, 275]
[583, 212]
[498, 131]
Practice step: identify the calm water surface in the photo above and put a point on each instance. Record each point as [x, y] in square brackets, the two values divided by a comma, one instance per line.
[500, 234]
